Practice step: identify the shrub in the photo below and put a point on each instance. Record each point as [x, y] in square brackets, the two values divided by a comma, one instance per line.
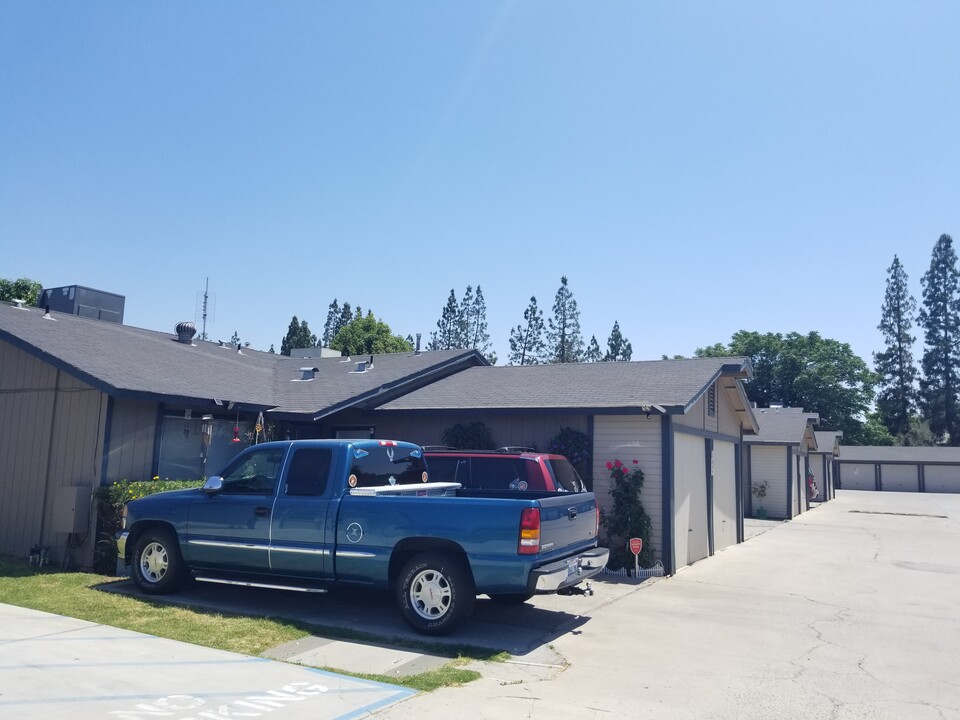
[475, 436]
[575, 446]
[110, 502]
[628, 519]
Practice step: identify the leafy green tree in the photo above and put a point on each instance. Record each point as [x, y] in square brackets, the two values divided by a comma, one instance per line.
[368, 336]
[592, 353]
[449, 334]
[564, 341]
[298, 336]
[897, 373]
[619, 348]
[526, 339]
[940, 319]
[807, 371]
[235, 338]
[875, 432]
[20, 289]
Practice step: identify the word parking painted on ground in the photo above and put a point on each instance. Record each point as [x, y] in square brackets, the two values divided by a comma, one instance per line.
[190, 707]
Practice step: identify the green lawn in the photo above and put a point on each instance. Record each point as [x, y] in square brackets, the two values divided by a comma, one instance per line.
[74, 594]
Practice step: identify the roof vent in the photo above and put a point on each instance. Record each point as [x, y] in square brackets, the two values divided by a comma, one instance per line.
[308, 373]
[361, 367]
[417, 349]
[185, 332]
[18, 303]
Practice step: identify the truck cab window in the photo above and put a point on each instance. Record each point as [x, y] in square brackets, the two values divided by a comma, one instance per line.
[308, 472]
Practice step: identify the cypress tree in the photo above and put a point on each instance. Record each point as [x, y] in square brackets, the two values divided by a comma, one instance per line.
[618, 347]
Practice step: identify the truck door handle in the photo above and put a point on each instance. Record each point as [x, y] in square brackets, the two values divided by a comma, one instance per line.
[261, 511]
[572, 513]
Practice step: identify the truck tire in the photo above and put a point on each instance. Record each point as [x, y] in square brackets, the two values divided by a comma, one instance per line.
[435, 593]
[157, 566]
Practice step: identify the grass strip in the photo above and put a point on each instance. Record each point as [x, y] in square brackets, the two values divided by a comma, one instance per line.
[73, 594]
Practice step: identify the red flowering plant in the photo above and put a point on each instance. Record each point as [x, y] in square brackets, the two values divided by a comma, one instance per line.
[627, 519]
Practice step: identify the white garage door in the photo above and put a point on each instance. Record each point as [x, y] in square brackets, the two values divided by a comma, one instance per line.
[690, 461]
[724, 495]
[900, 478]
[857, 476]
[941, 478]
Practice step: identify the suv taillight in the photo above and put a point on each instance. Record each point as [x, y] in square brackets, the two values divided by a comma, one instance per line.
[529, 532]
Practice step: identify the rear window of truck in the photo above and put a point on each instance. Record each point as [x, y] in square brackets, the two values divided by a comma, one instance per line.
[376, 466]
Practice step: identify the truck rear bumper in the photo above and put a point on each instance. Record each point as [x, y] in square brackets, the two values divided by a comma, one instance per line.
[569, 571]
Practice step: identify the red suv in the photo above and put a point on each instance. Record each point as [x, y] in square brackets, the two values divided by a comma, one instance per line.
[505, 469]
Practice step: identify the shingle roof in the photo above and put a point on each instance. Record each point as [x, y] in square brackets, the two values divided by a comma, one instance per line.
[128, 361]
[827, 440]
[784, 426]
[673, 385]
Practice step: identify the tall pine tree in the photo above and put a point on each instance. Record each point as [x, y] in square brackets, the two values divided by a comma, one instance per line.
[897, 397]
[564, 341]
[593, 353]
[526, 339]
[333, 324]
[619, 348]
[479, 336]
[449, 332]
[940, 319]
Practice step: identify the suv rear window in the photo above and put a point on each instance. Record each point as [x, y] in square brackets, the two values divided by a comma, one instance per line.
[499, 473]
[564, 476]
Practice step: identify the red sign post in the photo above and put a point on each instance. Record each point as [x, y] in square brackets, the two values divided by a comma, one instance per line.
[636, 545]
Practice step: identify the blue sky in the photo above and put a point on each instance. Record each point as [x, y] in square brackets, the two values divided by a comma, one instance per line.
[693, 168]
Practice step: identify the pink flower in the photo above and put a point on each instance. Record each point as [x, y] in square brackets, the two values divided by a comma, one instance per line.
[609, 466]
[636, 462]
[618, 463]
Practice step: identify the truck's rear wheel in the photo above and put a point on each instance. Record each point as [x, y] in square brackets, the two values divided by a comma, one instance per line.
[435, 593]
[157, 566]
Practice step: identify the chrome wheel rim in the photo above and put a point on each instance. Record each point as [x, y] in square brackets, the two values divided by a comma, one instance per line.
[430, 594]
[154, 562]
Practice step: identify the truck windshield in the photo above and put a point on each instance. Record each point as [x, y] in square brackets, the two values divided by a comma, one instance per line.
[377, 466]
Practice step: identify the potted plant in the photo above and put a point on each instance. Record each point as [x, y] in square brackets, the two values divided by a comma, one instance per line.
[759, 491]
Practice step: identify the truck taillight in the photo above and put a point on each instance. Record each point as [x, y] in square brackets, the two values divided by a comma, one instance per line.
[529, 532]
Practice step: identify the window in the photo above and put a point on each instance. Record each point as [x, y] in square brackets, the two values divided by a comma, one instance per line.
[565, 476]
[500, 473]
[254, 473]
[388, 465]
[447, 469]
[308, 472]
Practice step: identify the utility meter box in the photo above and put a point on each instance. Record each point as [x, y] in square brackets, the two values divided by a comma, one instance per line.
[71, 509]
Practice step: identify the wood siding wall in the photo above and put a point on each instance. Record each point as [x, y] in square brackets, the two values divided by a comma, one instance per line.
[53, 426]
[628, 438]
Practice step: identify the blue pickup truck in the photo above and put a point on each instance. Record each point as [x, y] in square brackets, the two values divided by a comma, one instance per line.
[308, 514]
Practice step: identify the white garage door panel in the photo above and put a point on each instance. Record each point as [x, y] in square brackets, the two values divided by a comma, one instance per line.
[941, 479]
[900, 478]
[691, 498]
[769, 464]
[724, 495]
[857, 476]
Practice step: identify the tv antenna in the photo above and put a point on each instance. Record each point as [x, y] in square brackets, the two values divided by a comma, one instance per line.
[206, 307]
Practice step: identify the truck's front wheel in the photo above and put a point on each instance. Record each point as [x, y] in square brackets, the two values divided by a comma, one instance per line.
[435, 593]
[157, 566]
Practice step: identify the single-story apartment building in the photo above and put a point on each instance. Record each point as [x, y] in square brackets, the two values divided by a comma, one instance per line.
[777, 460]
[85, 403]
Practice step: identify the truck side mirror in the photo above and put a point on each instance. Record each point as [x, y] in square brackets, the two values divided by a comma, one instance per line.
[213, 484]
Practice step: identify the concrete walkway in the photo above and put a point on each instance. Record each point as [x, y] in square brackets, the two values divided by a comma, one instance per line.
[850, 611]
